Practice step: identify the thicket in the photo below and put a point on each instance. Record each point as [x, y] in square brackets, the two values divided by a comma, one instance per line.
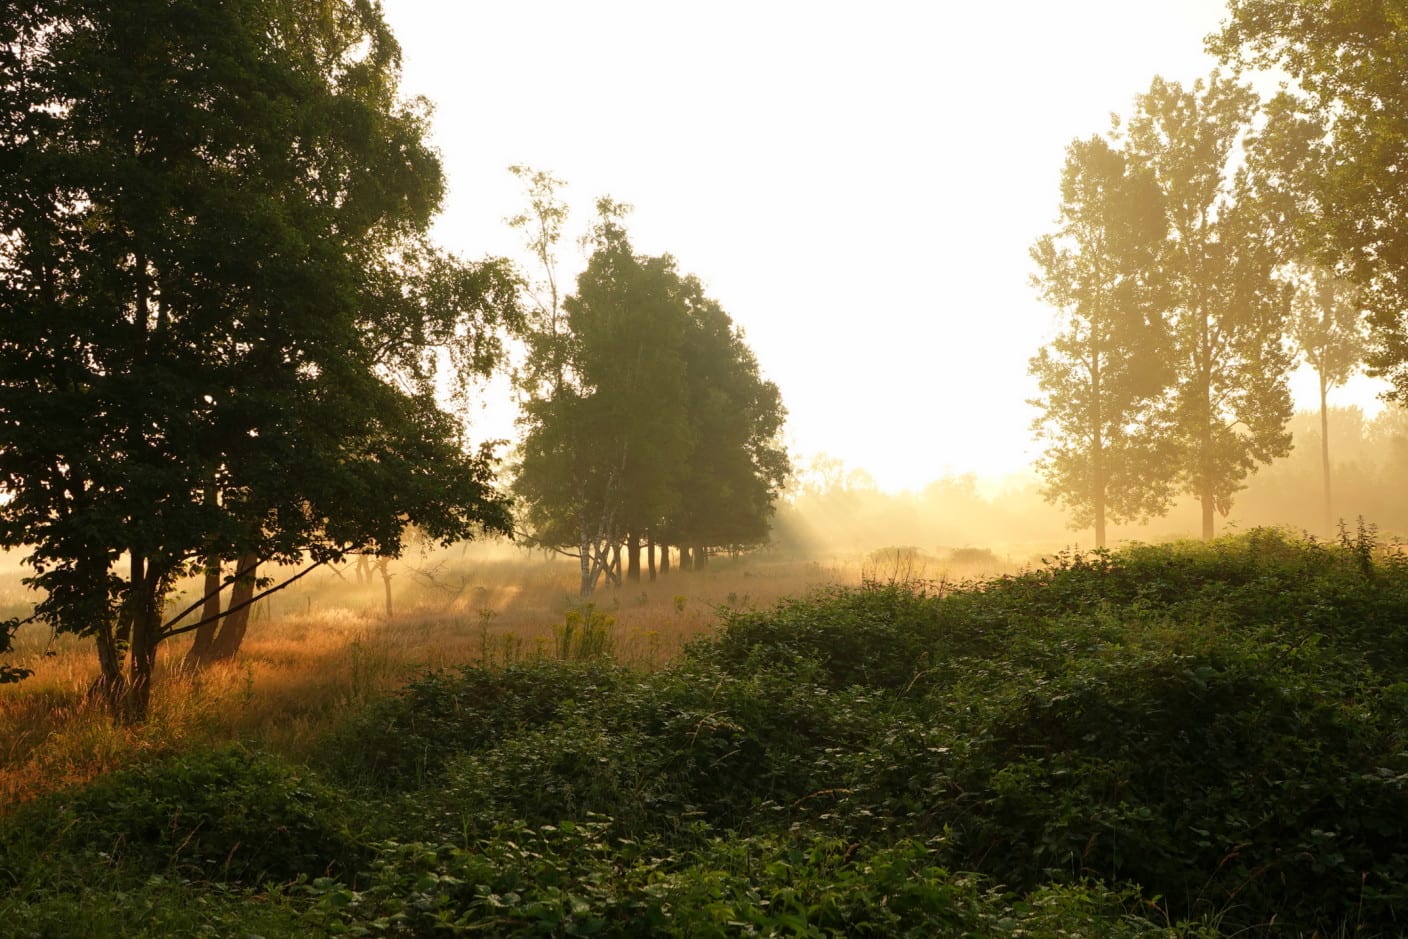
[1165, 740]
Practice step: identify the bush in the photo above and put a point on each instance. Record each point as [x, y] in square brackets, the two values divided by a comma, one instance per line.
[402, 743]
[231, 815]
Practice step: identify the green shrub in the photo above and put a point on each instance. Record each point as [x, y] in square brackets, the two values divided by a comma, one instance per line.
[403, 742]
[230, 815]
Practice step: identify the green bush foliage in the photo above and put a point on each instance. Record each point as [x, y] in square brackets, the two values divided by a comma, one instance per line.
[1174, 740]
[231, 816]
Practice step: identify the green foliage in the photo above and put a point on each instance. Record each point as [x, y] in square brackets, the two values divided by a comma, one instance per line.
[219, 304]
[157, 908]
[585, 635]
[402, 742]
[1344, 57]
[231, 816]
[1172, 740]
[575, 879]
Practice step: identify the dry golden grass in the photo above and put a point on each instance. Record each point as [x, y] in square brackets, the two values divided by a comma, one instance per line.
[325, 647]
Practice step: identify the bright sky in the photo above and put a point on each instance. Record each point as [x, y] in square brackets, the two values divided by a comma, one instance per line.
[857, 184]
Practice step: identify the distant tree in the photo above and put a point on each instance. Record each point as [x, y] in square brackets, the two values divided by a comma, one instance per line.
[737, 466]
[605, 441]
[655, 428]
[541, 224]
[1328, 326]
[1227, 310]
[1347, 56]
[218, 308]
[1104, 375]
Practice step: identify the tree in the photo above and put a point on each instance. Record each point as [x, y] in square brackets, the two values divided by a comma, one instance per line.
[1103, 377]
[218, 307]
[1328, 326]
[1347, 58]
[736, 466]
[606, 436]
[1227, 310]
[645, 419]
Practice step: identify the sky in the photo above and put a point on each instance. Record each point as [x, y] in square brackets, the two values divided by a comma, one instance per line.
[858, 184]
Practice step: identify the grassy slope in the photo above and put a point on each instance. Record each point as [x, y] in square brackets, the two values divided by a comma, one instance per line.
[1171, 740]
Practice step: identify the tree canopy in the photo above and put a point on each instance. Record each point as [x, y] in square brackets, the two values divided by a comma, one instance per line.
[1103, 376]
[219, 306]
[1346, 58]
[646, 421]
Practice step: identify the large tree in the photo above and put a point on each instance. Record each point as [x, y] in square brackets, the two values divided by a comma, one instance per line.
[216, 306]
[1347, 59]
[1226, 307]
[645, 419]
[736, 465]
[1328, 327]
[1105, 373]
[605, 432]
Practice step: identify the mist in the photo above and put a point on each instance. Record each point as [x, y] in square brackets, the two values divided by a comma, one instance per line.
[838, 513]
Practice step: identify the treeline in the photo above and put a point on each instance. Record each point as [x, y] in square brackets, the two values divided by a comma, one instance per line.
[646, 422]
[958, 525]
[1207, 244]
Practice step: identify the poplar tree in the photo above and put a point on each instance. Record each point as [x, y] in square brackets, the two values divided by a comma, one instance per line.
[1346, 58]
[1328, 327]
[1104, 375]
[1227, 310]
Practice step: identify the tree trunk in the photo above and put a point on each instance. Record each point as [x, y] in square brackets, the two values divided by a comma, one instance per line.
[701, 557]
[664, 559]
[686, 560]
[199, 654]
[1206, 489]
[1097, 450]
[650, 557]
[232, 627]
[633, 558]
[1325, 453]
[584, 558]
[384, 566]
[146, 634]
[110, 682]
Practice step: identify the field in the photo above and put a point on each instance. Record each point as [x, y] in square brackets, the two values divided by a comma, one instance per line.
[1177, 740]
[326, 645]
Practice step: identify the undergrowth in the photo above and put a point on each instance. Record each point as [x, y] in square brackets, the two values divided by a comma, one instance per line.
[1174, 740]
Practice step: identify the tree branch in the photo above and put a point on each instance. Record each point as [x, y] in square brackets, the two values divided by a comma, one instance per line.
[215, 593]
[168, 633]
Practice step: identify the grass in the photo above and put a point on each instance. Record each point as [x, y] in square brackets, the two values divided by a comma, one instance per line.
[325, 647]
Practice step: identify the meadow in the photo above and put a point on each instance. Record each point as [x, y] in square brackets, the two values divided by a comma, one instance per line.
[1171, 740]
[328, 644]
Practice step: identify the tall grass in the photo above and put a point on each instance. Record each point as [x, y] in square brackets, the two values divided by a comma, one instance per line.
[325, 647]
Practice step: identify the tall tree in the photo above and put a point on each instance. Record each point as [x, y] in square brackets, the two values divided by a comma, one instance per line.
[1328, 326]
[1347, 56]
[656, 425]
[217, 304]
[606, 438]
[736, 466]
[1227, 309]
[1104, 375]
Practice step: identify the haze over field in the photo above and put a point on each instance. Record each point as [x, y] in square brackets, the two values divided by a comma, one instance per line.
[859, 187]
